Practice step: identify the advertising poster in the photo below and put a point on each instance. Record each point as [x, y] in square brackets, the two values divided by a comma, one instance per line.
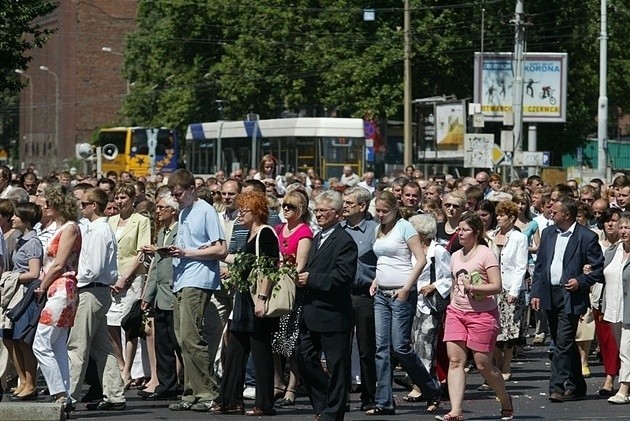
[450, 124]
[544, 86]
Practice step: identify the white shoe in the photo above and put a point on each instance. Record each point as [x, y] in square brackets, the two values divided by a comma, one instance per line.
[619, 399]
[249, 393]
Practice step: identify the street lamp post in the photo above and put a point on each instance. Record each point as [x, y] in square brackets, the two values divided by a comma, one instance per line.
[116, 53]
[30, 105]
[47, 70]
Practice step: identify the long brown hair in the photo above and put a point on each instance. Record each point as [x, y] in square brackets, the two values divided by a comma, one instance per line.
[390, 200]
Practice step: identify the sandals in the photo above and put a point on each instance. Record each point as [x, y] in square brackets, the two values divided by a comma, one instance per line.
[279, 392]
[380, 411]
[433, 404]
[285, 402]
[449, 417]
[413, 399]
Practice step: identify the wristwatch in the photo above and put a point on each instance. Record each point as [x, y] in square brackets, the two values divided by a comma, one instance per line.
[262, 297]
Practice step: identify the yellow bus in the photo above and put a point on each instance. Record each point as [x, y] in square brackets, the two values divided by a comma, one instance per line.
[128, 149]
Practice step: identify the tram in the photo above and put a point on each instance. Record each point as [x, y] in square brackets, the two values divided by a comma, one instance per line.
[322, 143]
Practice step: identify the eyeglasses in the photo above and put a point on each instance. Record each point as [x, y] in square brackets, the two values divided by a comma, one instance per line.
[452, 205]
[244, 211]
[161, 208]
[323, 211]
[349, 204]
[215, 193]
[84, 204]
[289, 206]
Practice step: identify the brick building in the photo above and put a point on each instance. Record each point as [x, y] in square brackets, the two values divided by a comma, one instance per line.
[74, 86]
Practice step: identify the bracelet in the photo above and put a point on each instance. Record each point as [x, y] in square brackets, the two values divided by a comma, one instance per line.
[262, 297]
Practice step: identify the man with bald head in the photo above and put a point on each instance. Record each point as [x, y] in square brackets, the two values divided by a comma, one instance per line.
[483, 178]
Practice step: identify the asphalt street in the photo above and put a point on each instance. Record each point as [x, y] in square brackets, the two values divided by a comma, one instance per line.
[528, 388]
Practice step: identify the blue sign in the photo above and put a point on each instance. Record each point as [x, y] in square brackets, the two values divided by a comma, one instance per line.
[369, 154]
[546, 159]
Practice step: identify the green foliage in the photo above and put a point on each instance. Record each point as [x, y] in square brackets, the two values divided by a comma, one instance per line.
[18, 35]
[271, 56]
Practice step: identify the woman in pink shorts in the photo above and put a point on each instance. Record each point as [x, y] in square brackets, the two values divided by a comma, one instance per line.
[472, 318]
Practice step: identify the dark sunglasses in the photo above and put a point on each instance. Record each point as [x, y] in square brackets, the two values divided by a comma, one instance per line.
[289, 206]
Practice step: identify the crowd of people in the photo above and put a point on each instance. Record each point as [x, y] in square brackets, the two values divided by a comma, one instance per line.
[126, 281]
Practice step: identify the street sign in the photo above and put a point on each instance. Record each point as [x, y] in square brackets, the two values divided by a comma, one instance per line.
[531, 159]
[497, 155]
[478, 150]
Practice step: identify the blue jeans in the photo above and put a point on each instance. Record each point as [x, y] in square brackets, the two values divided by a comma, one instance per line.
[393, 320]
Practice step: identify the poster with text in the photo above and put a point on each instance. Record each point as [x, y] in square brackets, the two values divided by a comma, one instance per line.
[544, 86]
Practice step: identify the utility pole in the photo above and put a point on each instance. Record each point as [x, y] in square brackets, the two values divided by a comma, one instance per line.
[602, 104]
[517, 104]
[407, 133]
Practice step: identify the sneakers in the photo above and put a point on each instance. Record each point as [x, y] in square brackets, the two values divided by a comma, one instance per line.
[181, 406]
[203, 406]
[619, 399]
[249, 393]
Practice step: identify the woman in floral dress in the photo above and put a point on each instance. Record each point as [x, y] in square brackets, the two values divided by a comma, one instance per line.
[60, 285]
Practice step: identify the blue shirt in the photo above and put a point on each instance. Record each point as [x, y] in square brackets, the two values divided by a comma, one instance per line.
[199, 226]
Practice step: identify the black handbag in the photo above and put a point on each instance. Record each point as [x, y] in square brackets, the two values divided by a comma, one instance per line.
[438, 303]
[133, 322]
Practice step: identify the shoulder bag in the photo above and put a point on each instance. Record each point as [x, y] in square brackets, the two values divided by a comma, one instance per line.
[438, 303]
[282, 294]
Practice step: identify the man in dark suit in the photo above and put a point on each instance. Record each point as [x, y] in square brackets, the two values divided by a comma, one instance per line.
[159, 296]
[327, 312]
[561, 288]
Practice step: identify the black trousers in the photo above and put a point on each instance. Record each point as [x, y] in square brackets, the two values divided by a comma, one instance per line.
[328, 392]
[363, 308]
[566, 366]
[239, 344]
[167, 351]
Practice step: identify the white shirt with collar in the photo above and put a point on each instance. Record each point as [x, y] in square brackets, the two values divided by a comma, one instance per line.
[97, 261]
[562, 240]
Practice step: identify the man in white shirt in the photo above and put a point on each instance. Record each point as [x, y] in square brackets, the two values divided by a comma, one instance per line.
[368, 182]
[98, 271]
[349, 178]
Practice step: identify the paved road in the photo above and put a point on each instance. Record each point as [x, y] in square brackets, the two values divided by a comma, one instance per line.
[528, 388]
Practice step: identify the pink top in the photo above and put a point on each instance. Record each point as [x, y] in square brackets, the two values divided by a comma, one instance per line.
[289, 245]
[480, 262]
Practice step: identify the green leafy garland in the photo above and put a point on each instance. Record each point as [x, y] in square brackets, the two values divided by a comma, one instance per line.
[258, 267]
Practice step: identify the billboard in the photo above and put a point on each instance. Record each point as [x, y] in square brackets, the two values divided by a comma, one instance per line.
[544, 86]
[450, 123]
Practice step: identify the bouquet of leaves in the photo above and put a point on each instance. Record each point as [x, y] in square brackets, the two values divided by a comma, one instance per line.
[258, 267]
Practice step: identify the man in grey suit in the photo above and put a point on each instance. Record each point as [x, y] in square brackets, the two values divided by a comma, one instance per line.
[569, 261]
[159, 296]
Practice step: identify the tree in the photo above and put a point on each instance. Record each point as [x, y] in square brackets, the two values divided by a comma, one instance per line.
[316, 57]
[18, 35]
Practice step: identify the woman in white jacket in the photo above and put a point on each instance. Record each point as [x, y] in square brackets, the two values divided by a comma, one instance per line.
[511, 248]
